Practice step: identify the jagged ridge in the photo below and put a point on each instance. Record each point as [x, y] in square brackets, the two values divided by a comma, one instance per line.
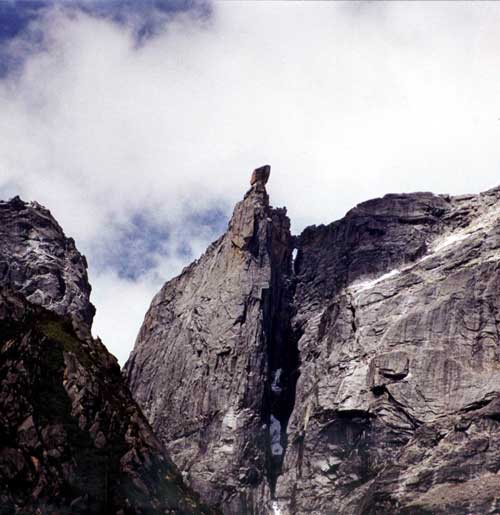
[391, 316]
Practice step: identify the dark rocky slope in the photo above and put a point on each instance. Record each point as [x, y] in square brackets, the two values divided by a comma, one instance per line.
[361, 378]
[72, 440]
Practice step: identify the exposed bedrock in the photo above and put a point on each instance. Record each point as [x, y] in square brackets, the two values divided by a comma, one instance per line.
[41, 263]
[398, 304]
[360, 378]
[205, 365]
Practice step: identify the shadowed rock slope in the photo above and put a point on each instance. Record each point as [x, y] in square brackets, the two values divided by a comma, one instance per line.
[363, 377]
[72, 440]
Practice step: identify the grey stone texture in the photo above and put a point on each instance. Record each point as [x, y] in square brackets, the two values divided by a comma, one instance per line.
[371, 360]
[40, 262]
[398, 307]
[200, 367]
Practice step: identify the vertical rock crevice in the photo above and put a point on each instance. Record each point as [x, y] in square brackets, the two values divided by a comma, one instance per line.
[281, 349]
[227, 357]
[283, 367]
[281, 342]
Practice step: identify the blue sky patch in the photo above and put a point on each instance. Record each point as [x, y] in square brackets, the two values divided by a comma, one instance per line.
[146, 18]
[143, 239]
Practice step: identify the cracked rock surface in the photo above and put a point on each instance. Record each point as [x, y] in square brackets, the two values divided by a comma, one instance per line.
[38, 260]
[398, 305]
[202, 362]
[72, 440]
[363, 377]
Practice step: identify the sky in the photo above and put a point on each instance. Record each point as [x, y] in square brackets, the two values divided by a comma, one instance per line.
[138, 123]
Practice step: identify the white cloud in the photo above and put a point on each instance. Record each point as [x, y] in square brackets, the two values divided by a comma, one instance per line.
[122, 304]
[346, 101]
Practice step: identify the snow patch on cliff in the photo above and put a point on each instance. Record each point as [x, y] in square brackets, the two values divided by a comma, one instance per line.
[275, 385]
[276, 508]
[275, 434]
[366, 285]
[482, 223]
[229, 419]
[449, 240]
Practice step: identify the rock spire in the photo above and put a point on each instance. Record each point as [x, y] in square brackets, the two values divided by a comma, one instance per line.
[216, 349]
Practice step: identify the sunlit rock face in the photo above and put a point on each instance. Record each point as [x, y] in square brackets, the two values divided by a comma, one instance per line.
[202, 365]
[40, 262]
[360, 377]
[398, 307]
[72, 440]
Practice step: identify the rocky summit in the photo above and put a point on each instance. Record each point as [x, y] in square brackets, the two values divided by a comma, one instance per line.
[353, 369]
[201, 368]
[38, 261]
[72, 440]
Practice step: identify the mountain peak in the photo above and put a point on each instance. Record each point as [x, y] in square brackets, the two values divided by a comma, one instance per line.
[41, 263]
[236, 291]
[295, 385]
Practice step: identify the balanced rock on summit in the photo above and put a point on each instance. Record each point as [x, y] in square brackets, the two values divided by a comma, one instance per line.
[260, 175]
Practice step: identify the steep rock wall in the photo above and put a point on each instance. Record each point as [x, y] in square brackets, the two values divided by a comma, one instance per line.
[206, 357]
[362, 379]
[398, 306]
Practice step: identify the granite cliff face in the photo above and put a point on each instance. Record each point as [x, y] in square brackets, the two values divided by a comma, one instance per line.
[202, 365]
[72, 440]
[38, 261]
[361, 377]
[398, 306]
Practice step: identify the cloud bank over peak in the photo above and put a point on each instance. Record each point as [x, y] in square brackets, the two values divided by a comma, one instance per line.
[140, 136]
